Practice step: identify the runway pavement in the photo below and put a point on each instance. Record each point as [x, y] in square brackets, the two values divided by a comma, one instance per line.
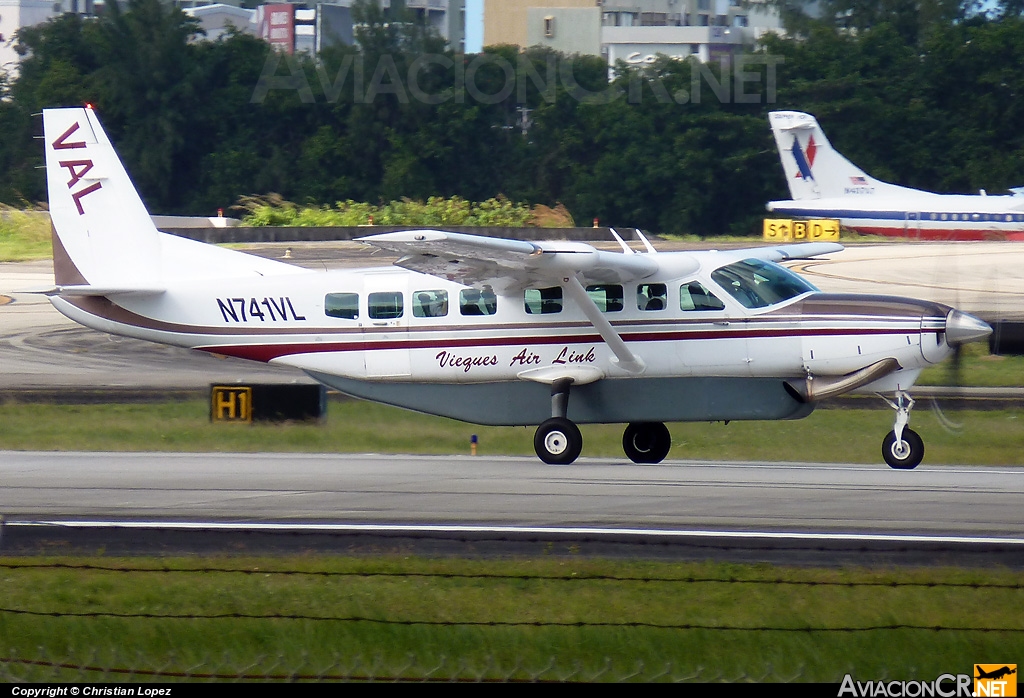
[978, 501]
[142, 503]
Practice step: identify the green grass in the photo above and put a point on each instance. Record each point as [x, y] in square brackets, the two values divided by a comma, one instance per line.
[828, 435]
[544, 618]
[977, 368]
[24, 235]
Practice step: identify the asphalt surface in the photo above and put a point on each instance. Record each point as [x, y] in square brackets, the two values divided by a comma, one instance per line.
[739, 510]
[982, 501]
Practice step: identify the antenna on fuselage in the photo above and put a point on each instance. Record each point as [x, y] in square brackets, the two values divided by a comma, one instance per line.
[626, 249]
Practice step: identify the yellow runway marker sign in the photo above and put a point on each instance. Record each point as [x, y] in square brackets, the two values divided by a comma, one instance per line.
[230, 403]
[788, 230]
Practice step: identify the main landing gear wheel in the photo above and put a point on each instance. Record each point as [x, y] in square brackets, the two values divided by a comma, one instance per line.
[905, 454]
[646, 442]
[558, 441]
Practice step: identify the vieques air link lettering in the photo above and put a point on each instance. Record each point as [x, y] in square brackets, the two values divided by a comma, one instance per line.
[526, 357]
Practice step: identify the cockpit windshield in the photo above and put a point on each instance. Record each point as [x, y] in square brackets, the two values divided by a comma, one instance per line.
[758, 284]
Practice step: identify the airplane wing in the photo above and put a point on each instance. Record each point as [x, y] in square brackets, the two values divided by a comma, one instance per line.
[783, 253]
[509, 265]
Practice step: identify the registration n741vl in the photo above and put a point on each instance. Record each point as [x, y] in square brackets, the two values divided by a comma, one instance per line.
[498, 331]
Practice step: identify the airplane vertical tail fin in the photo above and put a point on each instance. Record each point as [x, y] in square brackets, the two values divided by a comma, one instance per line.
[814, 170]
[103, 234]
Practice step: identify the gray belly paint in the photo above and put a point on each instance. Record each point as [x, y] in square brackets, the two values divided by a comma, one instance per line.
[523, 403]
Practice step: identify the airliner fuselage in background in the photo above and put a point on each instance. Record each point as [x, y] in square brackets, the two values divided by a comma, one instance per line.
[824, 184]
[497, 331]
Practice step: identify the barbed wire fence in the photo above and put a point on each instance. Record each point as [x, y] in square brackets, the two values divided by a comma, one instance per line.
[114, 667]
[37, 664]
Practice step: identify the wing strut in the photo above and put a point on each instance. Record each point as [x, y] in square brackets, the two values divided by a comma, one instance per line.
[624, 358]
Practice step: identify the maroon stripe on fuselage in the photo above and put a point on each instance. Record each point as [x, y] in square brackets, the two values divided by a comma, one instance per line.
[266, 352]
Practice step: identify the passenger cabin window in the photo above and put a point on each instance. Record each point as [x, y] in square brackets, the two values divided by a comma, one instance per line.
[343, 305]
[651, 296]
[543, 301]
[758, 284]
[609, 298]
[384, 305]
[694, 296]
[478, 302]
[430, 303]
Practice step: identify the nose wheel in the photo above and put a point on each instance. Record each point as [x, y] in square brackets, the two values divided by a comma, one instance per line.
[902, 448]
[905, 453]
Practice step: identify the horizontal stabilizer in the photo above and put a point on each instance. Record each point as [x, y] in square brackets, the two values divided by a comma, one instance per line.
[89, 290]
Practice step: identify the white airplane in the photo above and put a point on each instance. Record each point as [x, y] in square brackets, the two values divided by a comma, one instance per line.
[495, 331]
[824, 184]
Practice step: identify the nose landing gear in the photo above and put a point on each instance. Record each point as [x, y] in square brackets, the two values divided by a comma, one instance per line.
[902, 448]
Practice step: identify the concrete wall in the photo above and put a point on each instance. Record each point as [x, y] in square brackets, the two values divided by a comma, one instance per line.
[574, 29]
[505, 21]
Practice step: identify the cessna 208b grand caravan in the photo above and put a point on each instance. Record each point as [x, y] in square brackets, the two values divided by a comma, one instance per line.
[495, 331]
[824, 184]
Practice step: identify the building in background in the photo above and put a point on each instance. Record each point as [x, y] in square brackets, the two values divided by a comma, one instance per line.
[299, 27]
[446, 17]
[218, 19]
[17, 14]
[634, 31]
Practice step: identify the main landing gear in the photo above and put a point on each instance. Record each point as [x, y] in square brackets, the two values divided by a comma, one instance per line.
[558, 441]
[646, 442]
[902, 448]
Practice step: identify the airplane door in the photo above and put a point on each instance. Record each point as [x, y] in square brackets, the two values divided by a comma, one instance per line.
[386, 325]
[718, 349]
[912, 224]
[716, 338]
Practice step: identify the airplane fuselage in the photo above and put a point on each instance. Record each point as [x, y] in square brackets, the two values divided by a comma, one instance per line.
[362, 331]
[925, 217]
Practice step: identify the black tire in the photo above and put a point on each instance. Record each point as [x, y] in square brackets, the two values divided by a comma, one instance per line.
[906, 457]
[646, 442]
[558, 441]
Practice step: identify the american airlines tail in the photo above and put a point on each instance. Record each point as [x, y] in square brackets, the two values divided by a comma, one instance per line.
[814, 170]
[104, 241]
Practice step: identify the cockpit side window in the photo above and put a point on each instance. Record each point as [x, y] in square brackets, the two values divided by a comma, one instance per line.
[695, 296]
[755, 283]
